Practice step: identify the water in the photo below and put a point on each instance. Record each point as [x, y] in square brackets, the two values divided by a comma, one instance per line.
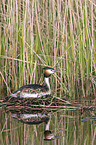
[65, 126]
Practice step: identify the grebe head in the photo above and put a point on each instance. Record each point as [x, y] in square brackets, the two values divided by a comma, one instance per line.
[48, 71]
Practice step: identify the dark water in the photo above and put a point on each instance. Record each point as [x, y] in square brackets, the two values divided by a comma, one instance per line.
[65, 126]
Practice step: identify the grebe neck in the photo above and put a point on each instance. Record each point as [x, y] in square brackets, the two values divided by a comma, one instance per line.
[46, 81]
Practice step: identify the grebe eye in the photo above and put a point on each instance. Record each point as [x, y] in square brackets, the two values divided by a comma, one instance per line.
[52, 70]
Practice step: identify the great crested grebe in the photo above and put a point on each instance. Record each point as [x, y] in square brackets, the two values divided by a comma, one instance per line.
[36, 90]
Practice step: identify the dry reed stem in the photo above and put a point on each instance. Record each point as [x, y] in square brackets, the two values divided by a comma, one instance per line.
[54, 33]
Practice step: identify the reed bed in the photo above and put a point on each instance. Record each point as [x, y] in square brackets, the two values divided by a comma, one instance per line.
[61, 34]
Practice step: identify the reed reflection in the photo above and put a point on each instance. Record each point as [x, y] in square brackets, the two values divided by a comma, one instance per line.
[36, 118]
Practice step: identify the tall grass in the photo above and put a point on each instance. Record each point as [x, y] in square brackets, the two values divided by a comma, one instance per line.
[61, 34]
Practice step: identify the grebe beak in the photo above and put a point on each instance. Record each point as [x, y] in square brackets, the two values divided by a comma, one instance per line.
[56, 71]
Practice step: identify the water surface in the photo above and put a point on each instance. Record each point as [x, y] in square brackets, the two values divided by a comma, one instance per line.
[61, 126]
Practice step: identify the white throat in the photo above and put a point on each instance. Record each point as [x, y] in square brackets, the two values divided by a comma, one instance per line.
[47, 125]
[47, 82]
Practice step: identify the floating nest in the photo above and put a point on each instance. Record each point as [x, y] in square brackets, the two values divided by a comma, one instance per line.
[48, 103]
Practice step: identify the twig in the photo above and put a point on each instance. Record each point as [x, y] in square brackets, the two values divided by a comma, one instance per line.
[5, 82]
[63, 100]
